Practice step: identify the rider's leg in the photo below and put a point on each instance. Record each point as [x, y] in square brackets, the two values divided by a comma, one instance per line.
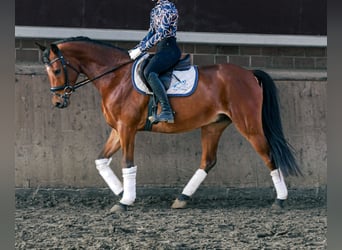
[166, 114]
[167, 55]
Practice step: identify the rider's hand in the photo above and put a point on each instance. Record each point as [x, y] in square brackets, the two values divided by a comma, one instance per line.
[134, 53]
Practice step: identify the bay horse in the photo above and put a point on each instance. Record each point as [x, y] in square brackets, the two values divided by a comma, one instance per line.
[225, 94]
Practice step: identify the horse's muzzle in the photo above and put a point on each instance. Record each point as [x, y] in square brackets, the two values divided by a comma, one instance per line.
[61, 102]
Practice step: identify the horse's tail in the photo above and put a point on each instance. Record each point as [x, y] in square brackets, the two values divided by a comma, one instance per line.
[281, 152]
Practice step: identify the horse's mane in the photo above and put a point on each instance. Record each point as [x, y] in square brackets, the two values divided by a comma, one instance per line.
[87, 39]
[45, 55]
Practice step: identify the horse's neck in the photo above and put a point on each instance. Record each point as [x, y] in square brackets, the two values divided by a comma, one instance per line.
[94, 60]
[97, 60]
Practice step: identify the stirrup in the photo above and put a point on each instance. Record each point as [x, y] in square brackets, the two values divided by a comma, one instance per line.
[168, 118]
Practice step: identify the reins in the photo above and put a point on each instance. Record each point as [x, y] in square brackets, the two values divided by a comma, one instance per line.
[86, 81]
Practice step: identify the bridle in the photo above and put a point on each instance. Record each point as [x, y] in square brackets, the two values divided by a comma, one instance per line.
[67, 87]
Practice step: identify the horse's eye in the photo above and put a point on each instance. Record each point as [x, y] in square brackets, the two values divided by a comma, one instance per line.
[57, 71]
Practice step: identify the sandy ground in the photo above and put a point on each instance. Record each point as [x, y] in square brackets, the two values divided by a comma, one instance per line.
[239, 219]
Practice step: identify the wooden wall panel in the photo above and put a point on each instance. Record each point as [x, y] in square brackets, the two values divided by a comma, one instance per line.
[305, 17]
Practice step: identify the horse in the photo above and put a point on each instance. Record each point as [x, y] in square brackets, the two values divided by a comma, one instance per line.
[226, 94]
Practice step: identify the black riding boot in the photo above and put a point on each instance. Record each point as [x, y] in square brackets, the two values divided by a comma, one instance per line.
[166, 114]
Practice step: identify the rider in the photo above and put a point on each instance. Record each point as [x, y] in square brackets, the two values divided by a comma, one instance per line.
[162, 32]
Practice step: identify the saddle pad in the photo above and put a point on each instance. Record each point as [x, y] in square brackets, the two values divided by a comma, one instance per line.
[183, 83]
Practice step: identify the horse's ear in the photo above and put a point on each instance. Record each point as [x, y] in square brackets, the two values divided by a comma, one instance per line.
[54, 48]
[41, 47]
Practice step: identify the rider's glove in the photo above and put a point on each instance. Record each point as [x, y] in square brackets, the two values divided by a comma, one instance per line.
[134, 53]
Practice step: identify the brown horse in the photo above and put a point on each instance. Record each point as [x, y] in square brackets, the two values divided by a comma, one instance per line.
[226, 94]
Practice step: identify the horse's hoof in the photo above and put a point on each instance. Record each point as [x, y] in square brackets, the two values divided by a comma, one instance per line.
[278, 205]
[179, 204]
[118, 208]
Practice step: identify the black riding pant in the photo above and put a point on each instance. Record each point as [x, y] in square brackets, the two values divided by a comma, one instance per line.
[166, 56]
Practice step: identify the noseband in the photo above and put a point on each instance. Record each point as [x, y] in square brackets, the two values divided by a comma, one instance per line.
[67, 87]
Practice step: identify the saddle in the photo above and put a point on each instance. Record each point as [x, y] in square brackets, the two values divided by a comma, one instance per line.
[180, 80]
[182, 65]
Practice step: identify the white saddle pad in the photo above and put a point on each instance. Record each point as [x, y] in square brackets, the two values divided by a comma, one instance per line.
[183, 83]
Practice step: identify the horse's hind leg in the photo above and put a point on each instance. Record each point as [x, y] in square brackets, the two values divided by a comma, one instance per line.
[210, 136]
[102, 163]
[254, 133]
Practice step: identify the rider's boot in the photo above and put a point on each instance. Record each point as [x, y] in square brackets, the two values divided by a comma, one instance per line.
[166, 114]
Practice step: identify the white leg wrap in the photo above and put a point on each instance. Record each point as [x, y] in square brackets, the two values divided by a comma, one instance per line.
[194, 182]
[279, 184]
[129, 180]
[108, 175]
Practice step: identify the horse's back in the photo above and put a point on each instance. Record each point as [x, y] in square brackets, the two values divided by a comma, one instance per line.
[226, 71]
[230, 80]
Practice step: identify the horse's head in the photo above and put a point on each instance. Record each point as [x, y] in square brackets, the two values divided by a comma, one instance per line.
[62, 79]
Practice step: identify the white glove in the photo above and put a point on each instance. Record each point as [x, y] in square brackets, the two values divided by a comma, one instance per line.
[134, 53]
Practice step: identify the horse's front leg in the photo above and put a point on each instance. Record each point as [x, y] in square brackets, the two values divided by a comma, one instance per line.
[103, 161]
[129, 170]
